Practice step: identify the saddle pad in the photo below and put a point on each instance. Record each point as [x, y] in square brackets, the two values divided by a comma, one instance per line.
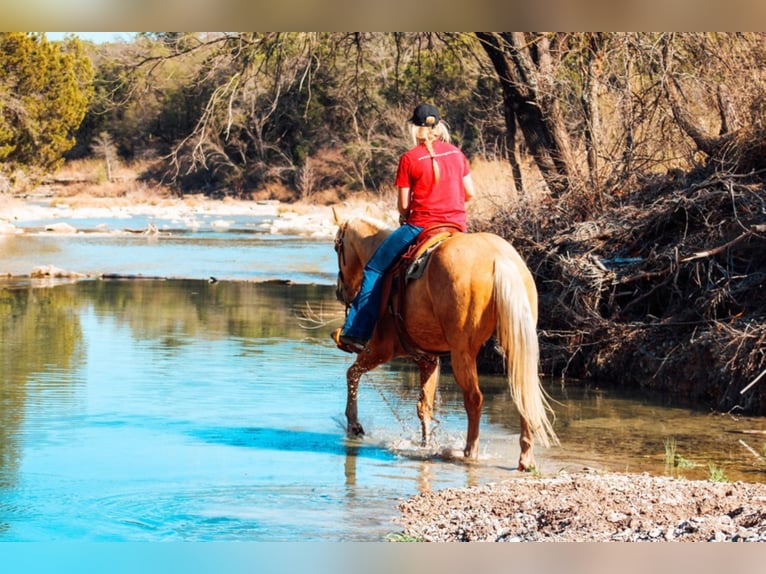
[421, 256]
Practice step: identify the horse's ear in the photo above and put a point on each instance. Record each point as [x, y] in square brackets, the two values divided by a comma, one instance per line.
[335, 218]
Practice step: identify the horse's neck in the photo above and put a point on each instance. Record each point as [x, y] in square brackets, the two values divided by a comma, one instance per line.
[368, 240]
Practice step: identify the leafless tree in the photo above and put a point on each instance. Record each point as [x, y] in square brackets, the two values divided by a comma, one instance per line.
[524, 66]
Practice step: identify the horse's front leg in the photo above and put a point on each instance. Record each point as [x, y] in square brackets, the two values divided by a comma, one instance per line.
[353, 375]
[365, 361]
[429, 377]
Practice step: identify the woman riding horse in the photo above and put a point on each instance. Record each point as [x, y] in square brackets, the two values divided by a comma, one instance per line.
[434, 184]
[473, 286]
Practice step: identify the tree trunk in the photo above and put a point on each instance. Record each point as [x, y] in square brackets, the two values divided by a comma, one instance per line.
[591, 74]
[526, 79]
[736, 147]
[705, 142]
[513, 151]
[500, 63]
[729, 119]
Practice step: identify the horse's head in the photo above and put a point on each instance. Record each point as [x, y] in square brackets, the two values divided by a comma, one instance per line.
[350, 267]
[355, 242]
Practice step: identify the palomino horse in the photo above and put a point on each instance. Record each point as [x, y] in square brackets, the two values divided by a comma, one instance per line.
[474, 285]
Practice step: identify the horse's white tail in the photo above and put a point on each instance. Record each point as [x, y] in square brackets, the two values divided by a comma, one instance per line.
[517, 336]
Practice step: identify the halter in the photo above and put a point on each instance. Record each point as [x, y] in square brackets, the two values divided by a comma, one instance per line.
[341, 251]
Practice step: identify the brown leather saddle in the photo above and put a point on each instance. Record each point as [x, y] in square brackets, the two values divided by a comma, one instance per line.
[410, 267]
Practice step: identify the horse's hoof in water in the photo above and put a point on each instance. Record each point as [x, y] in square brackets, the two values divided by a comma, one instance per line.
[448, 453]
[471, 454]
[355, 430]
[526, 467]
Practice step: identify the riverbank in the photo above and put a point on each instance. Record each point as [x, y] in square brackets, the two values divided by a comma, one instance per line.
[304, 219]
[590, 508]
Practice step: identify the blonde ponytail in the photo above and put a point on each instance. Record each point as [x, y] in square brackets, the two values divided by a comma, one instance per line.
[426, 135]
[429, 143]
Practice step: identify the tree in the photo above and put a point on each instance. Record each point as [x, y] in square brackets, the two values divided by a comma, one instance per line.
[104, 147]
[597, 112]
[735, 146]
[524, 66]
[44, 92]
[259, 106]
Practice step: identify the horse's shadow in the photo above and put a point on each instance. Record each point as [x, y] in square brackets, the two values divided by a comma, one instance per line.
[290, 440]
[351, 450]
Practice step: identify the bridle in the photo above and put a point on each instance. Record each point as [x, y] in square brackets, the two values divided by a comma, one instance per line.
[341, 251]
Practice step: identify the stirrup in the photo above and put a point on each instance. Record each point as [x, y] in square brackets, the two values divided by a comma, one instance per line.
[348, 343]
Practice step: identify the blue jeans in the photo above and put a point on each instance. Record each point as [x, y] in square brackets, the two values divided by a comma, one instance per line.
[366, 305]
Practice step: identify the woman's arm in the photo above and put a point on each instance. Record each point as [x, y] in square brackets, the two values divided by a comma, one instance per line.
[468, 187]
[403, 204]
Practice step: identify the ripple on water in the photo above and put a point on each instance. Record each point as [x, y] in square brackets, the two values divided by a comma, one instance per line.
[245, 512]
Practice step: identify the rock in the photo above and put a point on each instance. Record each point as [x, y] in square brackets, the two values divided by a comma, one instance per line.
[45, 271]
[9, 229]
[60, 227]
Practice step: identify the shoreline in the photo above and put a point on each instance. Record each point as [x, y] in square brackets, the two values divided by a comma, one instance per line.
[589, 507]
[155, 218]
[184, 211]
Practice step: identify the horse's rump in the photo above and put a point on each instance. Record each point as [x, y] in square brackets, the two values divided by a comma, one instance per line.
[476, 285]
[453, 303]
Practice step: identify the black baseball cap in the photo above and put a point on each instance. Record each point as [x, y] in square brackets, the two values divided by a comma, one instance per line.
[425, 115]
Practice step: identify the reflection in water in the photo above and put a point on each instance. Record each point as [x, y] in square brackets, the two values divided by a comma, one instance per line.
[188, 410]
[41, 347]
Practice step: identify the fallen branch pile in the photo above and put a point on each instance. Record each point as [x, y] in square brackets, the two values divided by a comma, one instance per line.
[665, 291]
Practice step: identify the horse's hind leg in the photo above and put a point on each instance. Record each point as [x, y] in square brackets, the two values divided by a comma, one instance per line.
[429, 377]
[466, 376]
[526, 458]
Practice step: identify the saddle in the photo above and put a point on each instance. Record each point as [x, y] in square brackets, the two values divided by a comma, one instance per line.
[411, 266]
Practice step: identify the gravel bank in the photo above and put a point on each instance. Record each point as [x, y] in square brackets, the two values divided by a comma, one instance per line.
[590, 507]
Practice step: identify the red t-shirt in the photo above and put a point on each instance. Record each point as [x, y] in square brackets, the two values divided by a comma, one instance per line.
[434, 204]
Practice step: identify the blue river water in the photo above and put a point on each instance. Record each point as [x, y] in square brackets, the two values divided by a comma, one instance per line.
[243, 250]
[182, 409]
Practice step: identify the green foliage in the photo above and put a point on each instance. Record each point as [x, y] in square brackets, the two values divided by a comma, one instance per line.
[674, 460]
[237, 111]
[670, 452]
[241, 110]
[403, 537]
[145, 109]
[44, 93]
[716, 474]
[682, 462]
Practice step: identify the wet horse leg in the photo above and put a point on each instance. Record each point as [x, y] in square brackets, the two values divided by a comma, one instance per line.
[466, 376]
[429, 377]
[353, 374]
[526, 458]
[364, 362]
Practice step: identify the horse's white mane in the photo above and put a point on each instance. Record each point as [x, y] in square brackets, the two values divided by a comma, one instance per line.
[375, 222]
